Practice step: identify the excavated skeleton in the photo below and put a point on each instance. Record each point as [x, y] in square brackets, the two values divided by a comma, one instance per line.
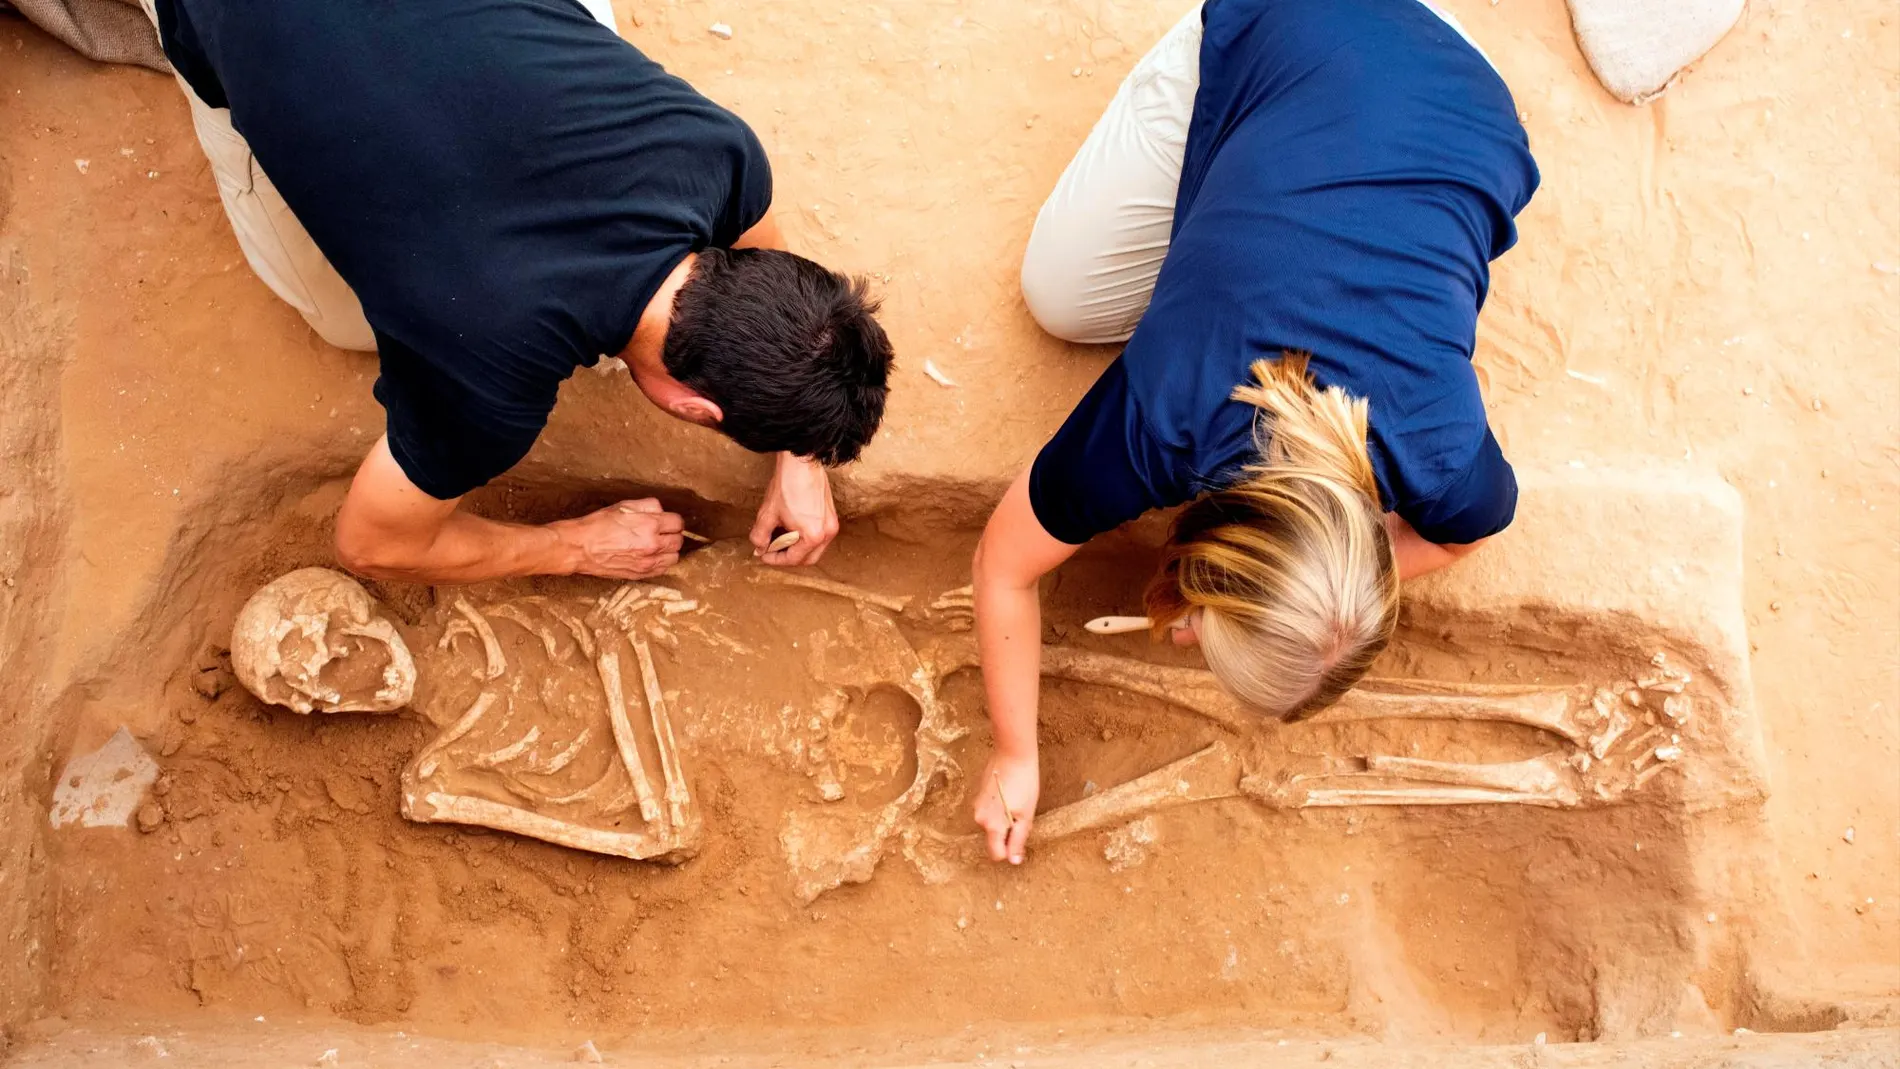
[549, 709]
[555, 724]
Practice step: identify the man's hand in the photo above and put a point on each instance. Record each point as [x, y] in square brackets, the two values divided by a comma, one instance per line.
[798, 499]
[630, 540]
[389, 529]
[1006, 800]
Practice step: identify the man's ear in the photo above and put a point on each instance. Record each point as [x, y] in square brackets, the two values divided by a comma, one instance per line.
[694, 408]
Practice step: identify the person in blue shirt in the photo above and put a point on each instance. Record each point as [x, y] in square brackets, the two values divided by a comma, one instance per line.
[1288, 214]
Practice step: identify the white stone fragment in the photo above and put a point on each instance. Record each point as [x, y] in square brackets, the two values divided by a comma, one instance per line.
[102, 789]
[721, 31]
[936, 375]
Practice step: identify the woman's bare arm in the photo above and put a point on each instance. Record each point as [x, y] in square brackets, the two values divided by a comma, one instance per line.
[1417, 556]
[1011, 560]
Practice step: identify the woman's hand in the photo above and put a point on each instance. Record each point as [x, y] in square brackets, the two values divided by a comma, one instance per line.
[1006, 799]
[1012, 558]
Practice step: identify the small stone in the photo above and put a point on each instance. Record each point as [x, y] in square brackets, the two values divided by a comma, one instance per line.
[1848, 836]
[150, 1047]
[1129, 845]
[150, 817]
[151, 174]
[83, 165]
[1540, 1039]
[209, 684]
[1774, 606]
[328, 1059]
[587, 1053]
[721, 31]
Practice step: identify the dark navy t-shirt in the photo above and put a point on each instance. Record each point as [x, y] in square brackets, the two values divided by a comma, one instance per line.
[1352, 167]
[504, 183]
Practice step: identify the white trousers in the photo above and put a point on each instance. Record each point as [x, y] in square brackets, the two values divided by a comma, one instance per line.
[275, 244]
[1100, 238]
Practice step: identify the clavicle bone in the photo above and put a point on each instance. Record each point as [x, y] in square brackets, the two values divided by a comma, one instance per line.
[826, 586]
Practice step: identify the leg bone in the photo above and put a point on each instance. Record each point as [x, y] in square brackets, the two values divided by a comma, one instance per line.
[437, 807]
[624, 739]
[670, 770]
[1541, 775]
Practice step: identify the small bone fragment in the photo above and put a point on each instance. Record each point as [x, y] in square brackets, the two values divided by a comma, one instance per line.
[1668, 753]
[1539, 775]
[1618, 724]
[514, 614]
[573, 625]
[674, 608]
[426, 761]
[1848, 836]
[937, 376]
[1642, 777]
[563, 757]
[827, 586]
[587, 1053]
[624, 739]
[1118, 625]
[509, 752]
[1678, 709]
[1128, 846]
[436, 807]
[670, 768]
[491, 649]
[784, 541]
[963, 597]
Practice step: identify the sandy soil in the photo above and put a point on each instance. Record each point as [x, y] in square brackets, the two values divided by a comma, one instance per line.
[1705, 282]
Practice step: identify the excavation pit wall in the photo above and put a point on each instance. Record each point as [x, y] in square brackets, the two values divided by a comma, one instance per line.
[283, 882]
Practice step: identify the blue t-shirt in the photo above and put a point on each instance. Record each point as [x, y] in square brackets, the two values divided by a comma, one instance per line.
[504, 183]
[1352, 167]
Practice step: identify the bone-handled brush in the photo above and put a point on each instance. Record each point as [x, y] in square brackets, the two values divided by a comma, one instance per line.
[1117, 625]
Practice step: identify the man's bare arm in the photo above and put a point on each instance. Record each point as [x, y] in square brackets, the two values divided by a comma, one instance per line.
[389, 529]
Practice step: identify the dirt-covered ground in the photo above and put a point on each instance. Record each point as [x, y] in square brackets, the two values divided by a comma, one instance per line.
[1710, 282]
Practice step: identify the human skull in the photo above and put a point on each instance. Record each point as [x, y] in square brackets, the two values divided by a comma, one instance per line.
[314, 641]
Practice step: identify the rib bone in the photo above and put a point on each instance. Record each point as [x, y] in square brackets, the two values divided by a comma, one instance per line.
[427, 760]
[491, 649]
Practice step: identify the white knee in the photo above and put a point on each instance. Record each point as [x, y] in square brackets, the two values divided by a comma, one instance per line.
[1052, 290]
[343, 330]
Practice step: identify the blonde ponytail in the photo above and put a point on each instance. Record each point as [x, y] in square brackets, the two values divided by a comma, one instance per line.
[1291, 569]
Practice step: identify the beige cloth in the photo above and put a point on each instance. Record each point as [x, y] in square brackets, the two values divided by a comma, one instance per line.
[1099, 240]
[275, 244]
[110, 31]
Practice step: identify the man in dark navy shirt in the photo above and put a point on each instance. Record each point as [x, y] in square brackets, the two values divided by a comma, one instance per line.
[491, 193]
